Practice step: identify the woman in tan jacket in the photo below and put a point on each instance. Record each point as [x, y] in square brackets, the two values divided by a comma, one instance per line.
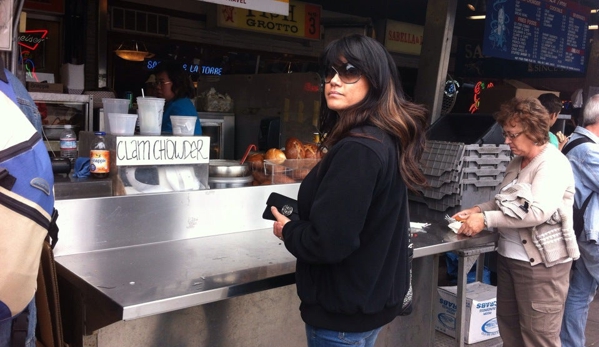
[533, 215]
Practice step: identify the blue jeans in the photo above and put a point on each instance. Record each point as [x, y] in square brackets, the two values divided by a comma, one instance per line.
[583, 286]
[329, 338]
[6, 328]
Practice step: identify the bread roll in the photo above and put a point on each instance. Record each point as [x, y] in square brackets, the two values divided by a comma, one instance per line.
[275, 158]
[260, 177]
[311, 151]
[275, 155]
[281, 178]
[300, 174]
[254, 157]
[256, 161]
[294, 148]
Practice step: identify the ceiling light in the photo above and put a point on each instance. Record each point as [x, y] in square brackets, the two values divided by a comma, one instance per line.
[477, 17]
[471, 6]
[131, 51]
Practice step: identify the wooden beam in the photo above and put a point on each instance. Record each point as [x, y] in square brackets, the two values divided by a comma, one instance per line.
[434, 57]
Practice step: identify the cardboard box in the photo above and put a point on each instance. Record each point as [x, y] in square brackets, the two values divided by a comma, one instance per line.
[44, 87]
[492, 98]
[481, 306]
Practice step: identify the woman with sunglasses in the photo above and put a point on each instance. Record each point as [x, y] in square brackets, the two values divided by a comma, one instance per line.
[352, 239]
[533, 214]
[175, 86]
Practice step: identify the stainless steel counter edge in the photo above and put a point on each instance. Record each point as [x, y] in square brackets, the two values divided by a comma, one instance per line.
[147, 255]
[196, 299]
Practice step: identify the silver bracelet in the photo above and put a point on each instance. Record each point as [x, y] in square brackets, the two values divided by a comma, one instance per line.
[485, 220]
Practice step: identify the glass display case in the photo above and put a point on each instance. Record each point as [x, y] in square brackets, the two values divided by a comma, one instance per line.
[57, 110]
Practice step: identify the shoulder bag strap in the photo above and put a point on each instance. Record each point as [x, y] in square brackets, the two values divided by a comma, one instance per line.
[570, 145]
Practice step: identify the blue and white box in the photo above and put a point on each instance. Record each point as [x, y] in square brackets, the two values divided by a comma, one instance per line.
[481, 307]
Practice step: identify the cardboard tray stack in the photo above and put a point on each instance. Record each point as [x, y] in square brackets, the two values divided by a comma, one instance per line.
[460, 175]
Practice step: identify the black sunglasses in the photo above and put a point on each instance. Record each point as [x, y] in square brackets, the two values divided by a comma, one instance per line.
[347, 73]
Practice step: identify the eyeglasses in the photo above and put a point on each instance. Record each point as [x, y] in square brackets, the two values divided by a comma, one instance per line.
[511, 136]
[162, 83]
[347, 73]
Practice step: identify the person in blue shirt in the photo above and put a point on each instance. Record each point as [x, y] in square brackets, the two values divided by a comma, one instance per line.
[175, 86]
[584, 280]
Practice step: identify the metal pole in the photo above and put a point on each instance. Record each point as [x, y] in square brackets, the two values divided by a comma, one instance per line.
[15, 32]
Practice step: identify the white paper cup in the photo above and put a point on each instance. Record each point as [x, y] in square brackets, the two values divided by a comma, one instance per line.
[150, 112]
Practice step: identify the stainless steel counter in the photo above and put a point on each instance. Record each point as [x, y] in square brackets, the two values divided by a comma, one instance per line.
[439, 239]
[133, 257]
[167, 276]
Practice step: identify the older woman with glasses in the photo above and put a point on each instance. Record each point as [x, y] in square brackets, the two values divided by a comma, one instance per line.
[533, 215]
[175, 86]
[352, 239]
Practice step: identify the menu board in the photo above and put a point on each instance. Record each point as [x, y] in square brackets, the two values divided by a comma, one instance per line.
[546, 32]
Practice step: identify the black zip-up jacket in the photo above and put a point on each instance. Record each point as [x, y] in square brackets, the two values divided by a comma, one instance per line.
[351, 242]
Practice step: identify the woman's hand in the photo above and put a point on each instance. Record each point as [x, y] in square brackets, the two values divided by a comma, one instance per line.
[277, 227]
[464, 214]
[473, 224]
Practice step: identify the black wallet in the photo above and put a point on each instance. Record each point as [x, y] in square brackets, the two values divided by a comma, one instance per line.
[286, 206]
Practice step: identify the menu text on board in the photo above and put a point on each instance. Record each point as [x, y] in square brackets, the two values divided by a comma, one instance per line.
[547, 32]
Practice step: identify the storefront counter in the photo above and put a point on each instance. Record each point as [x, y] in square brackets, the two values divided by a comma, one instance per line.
[131, 266]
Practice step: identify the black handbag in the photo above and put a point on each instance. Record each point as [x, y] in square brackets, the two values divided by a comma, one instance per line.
[286, 206]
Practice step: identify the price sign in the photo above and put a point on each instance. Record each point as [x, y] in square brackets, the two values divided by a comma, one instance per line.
[546, 32]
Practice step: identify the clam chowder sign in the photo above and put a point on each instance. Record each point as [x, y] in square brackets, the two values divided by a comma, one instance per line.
[271, 6]
[162, 150]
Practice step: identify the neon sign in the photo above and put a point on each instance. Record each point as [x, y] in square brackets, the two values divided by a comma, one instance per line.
[477, 89]
[30, 39]
[29, 65]
[191, 68]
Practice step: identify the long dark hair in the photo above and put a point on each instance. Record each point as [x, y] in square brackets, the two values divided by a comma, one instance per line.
[182, 86]
[384, 106]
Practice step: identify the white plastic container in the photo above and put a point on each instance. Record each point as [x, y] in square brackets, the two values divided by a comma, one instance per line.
[183, 125]
[111, 105]
[122, 123]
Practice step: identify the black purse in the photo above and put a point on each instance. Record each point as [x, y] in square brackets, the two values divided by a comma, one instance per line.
[286, 206]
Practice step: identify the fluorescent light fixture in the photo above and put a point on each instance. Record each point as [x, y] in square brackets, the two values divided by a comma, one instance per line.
[477, 17]
[593, 27]
[594, 10]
